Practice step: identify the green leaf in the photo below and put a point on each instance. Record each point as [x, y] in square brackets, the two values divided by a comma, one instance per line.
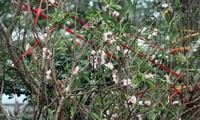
[104, 119]
[153, 115]
[94, 115]
[131, 10]
[151, 84]
[137, 85]
[116, 7]
[104, 1]
[150, 68]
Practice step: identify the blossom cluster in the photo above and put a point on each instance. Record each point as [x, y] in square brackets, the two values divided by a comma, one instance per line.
[46, 53]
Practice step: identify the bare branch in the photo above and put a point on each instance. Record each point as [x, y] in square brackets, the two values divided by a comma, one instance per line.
[1, 105]
[2, 28]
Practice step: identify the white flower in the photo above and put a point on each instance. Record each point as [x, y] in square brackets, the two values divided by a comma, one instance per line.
[175, 102]
[140, 103]
[109, 65]
[153, 56]
[152, 18]
[67, 89]
[142, 30]
[164, 5]
[194, 50]
[167, 78]
[150, 37]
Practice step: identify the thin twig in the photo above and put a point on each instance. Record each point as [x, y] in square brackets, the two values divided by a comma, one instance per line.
[60, 106]
[50, 103]
[15, 18]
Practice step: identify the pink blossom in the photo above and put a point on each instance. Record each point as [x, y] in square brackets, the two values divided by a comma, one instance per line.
[86, 26]
[107, 36]
[139, 117]
[127, 82]
[102, 58]
[107, 112]
[149, 75]
[114, 76]
[49, 54]
[94, 63]
[126, 51]
[42, 37]
[46, 53]
[154, 33]
[69, 79]
[48, 74]
[147, 102]
[93, 52]
[102, 61]
[114, 116]
[116, 14]
[75, 71]
[78, 42]
[118, 48]
[112, 41]
[132, 99]
[178, 118]
[52, 1]
[44, 50]
[109, 65]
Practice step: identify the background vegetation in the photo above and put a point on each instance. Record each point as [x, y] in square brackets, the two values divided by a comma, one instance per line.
[102, 59]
